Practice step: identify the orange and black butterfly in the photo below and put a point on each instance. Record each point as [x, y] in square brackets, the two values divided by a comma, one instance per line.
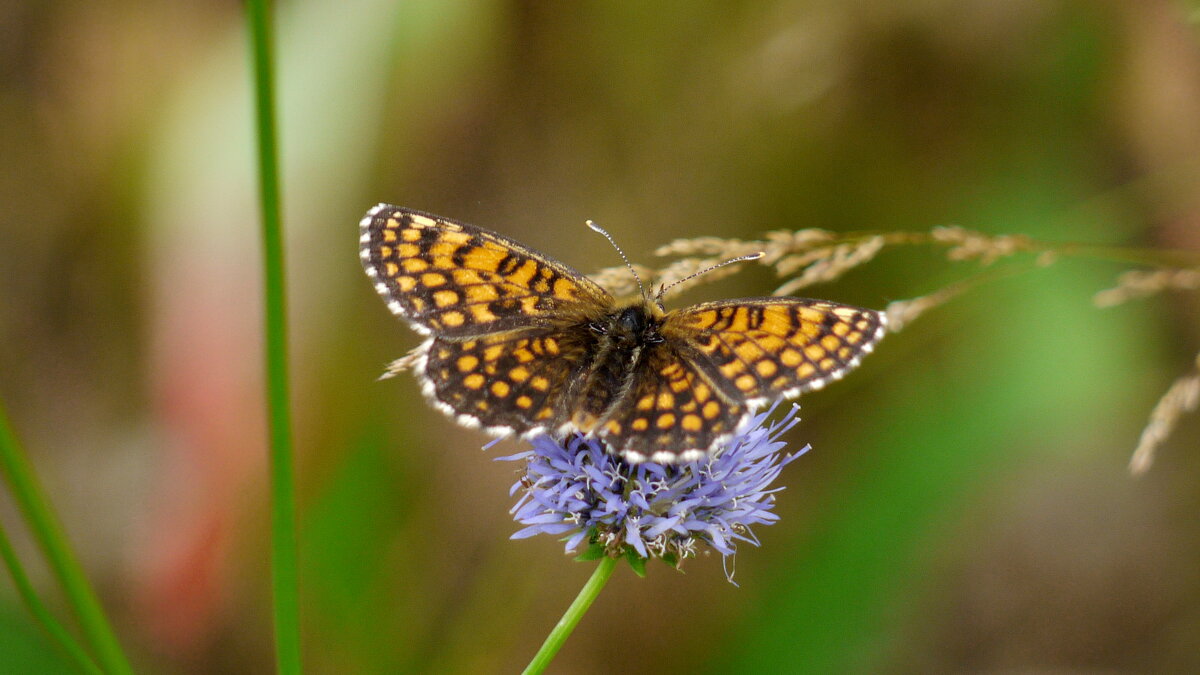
[520, 343]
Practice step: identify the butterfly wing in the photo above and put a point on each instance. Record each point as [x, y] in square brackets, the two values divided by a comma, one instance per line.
[516, 381]
[510, 346]
[761, 349]
[670, 413]
[456, 280]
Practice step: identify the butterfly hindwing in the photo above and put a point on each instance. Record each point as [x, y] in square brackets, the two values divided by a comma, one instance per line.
[671, 412]
[509, 382]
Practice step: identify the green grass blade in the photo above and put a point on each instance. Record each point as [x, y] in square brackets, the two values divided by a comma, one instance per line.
[39, 611]
[48, 532]
[284, 578]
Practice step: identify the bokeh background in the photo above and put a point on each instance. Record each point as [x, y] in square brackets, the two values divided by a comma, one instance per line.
[966, 505]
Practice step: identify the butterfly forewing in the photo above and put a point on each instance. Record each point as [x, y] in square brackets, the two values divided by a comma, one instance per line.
[760, 349]
[453, 279]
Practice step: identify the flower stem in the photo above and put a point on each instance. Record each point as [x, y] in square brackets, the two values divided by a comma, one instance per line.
[283, 499]
[570, 619]
[48, 532]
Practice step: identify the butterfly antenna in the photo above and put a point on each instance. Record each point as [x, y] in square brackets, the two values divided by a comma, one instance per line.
[597, 228]
[666, 287]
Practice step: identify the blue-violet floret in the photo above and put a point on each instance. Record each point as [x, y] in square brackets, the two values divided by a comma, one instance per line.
[574, 488]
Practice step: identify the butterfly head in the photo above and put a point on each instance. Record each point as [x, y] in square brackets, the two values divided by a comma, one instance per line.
[632, 326]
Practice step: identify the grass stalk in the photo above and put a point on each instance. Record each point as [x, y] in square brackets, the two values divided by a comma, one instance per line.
[284, 575]
[27, 491]
[39, 611]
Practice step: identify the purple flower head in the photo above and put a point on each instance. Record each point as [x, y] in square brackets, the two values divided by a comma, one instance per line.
[574, 488]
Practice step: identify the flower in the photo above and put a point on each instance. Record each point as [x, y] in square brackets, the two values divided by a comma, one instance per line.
[575, 488]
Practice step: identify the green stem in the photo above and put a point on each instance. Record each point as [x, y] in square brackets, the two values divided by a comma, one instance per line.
[1126, 254]
[48, 532]
[39, 611]
[570, 619]
[1132, 255]
[284, 576]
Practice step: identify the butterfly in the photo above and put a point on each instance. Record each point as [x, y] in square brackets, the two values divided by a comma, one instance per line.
[519, 343]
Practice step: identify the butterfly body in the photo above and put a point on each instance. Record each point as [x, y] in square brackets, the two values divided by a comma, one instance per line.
[519, 343]
[611, 347]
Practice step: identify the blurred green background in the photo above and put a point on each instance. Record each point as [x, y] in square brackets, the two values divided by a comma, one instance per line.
[966, 505]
